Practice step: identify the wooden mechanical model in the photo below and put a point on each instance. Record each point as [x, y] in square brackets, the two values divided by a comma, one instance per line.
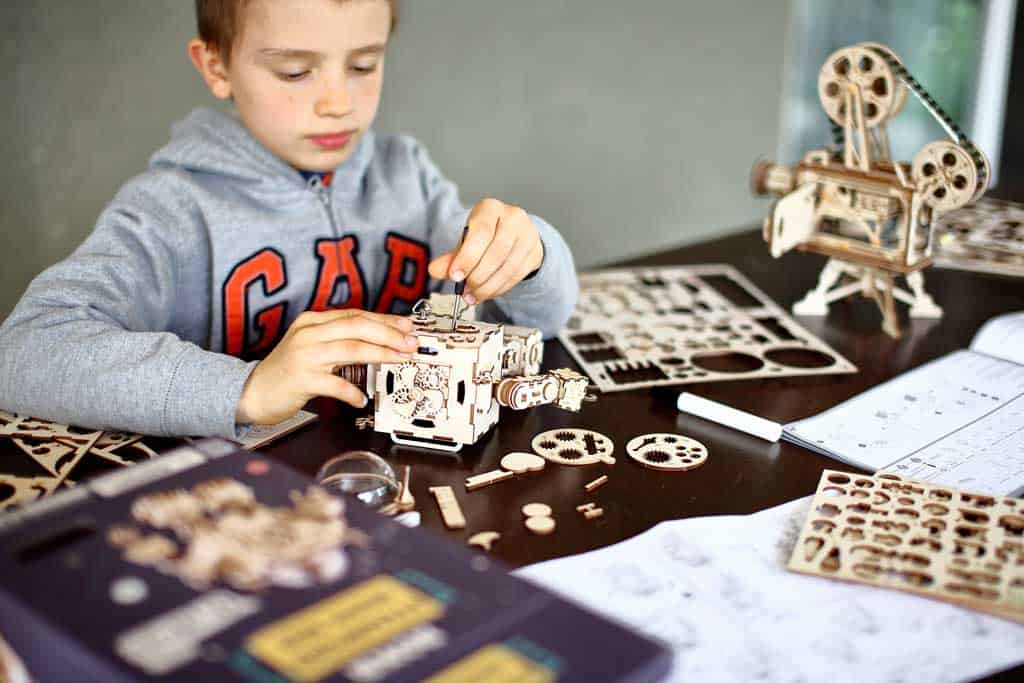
[871, 215]
[448, 394]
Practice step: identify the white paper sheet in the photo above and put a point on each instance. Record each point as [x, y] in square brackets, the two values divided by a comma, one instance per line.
[716, 589]
[1002, 337]
[957, 421]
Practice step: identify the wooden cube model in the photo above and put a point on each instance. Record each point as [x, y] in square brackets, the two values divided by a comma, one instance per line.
[449, 393]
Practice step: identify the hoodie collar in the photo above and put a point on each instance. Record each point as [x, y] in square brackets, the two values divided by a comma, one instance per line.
[211, 142]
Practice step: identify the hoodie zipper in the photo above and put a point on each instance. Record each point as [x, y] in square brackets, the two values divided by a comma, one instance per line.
[323, 193]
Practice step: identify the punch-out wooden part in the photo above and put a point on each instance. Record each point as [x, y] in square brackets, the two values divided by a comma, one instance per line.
[364, 422]
[635, 328]
[667, 452]
[574, 447]
[596, 484]
[536, 510]
[451, 513]
[932, 540]
[542, 526]
[519, 463]
[486, 479]
[585, 507]
[987, 236]
[869, 213]
[484, 539]
[593, 513]
[25, 489]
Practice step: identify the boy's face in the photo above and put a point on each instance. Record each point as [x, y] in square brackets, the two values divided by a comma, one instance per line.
[306, 75]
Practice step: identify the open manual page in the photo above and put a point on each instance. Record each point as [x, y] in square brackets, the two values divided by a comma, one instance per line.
[957, 421]
[717, 590]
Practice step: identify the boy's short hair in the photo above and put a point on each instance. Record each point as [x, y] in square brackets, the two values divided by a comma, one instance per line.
[218, 22]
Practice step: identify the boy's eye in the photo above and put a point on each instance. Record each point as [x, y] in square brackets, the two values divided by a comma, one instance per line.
[364, 68]
[293, 76]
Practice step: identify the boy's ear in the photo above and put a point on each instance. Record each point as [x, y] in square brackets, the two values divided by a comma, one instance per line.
[211, 66]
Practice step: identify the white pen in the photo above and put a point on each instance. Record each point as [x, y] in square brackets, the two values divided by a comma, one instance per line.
[730, 417]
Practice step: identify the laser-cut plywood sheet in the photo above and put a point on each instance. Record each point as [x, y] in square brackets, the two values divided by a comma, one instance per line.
[964, 548]
[644, 327]
[987, 236]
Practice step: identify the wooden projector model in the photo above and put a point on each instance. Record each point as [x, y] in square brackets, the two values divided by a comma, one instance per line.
[448, 393]
[872, 216]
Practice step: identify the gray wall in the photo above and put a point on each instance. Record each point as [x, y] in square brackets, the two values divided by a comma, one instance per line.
[629, 125]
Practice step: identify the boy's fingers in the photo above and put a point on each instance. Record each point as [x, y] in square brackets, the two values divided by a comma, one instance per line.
[497, 254]
[504, 278]
[482, 222]
[368, 330]
[336, 387]
[310, 318]
[352, 351]
[440, 266]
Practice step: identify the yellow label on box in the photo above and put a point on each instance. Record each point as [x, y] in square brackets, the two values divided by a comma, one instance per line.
[494, 664]
[319, 640]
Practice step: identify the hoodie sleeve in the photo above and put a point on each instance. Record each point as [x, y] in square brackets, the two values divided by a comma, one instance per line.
[108, 338]
[545, 300]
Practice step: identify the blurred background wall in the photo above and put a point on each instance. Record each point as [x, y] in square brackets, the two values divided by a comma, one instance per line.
[629, 125]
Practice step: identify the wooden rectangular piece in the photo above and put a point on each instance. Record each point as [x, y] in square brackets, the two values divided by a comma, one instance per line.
[451, 513]
[597, 483]
[487, 478]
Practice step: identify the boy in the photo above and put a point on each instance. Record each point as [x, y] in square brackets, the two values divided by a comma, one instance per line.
[207, 261]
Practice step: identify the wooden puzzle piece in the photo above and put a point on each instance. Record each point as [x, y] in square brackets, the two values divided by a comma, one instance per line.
[542, 526]
[486, 479]
[451, 513]
[17, 491]
[597, 483]
[536, 510]
[641, 327]
[483, 539]
[52, 456]
[520, 463]
[574, 447]
[916, 537]
[667, 452]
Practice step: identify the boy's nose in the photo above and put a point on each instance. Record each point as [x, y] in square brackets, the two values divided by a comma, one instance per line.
[334, 101]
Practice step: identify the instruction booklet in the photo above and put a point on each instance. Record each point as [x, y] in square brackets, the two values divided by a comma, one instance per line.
[957, 421]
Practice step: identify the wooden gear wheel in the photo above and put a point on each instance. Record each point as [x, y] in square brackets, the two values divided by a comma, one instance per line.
[574, 447]
[946, 176]
[861, 67]
[668, 452]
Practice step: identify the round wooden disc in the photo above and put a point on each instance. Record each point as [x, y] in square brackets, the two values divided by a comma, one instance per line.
[574, 447]
[522, 462]
[537, 510]
[540, 525]
[667, 452]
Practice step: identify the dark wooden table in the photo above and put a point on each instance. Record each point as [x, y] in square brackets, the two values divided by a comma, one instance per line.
[742, 475]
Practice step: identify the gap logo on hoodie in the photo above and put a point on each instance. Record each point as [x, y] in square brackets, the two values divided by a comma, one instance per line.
[252, 330]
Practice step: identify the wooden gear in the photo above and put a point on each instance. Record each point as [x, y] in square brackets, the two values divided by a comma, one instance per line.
[574, 447]
[872, 216]
[667, 452]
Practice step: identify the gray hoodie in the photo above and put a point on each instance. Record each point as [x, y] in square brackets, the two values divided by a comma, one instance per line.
[200, 264]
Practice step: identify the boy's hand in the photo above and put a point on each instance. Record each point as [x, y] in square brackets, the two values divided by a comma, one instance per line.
[501, 247]
[301, 366]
